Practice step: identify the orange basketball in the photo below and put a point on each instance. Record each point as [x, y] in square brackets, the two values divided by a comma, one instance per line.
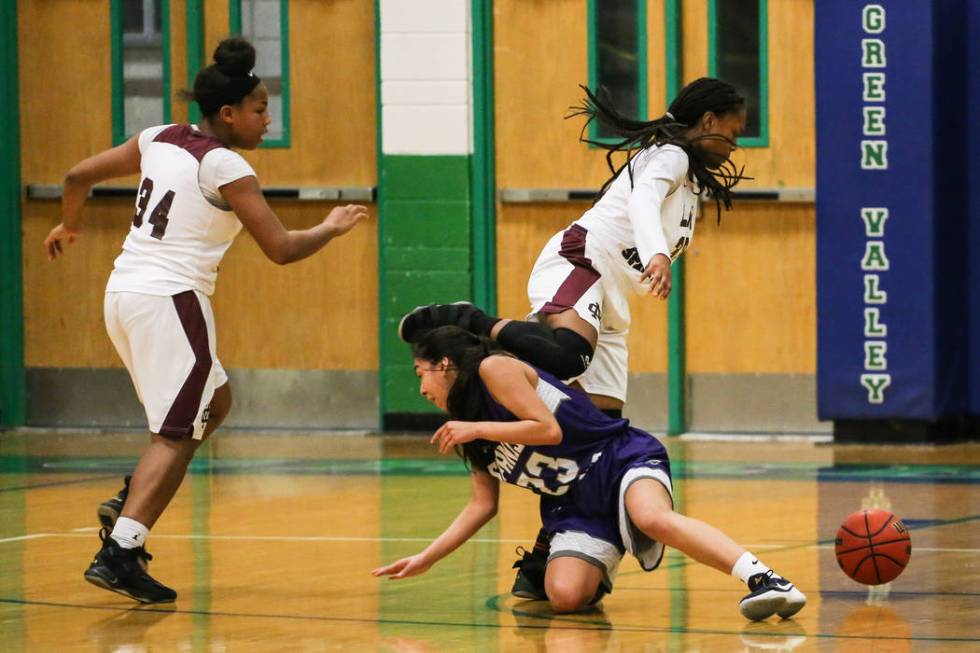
[873, 546]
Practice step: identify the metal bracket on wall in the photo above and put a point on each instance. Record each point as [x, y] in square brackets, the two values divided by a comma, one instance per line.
[531, 195]
[313, 193]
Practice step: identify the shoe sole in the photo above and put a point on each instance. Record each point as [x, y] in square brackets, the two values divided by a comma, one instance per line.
[401, 323]
[528, 595]
[96, 579]
[794, 603]
[107, 516]
[763, 608]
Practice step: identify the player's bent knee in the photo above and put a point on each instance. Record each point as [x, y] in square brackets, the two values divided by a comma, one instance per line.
[568, 596]
[573, 355]
[571, 602]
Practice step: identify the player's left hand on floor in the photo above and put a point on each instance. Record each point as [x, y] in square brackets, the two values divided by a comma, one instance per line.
[410, 566]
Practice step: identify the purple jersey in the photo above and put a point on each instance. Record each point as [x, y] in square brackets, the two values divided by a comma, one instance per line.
[587, 434]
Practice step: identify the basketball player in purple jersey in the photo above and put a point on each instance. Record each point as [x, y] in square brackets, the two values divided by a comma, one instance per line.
[605, 486]
[194, 196]
[642, 221]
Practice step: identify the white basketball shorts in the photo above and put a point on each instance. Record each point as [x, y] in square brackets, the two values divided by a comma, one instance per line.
[168, 345]
[570, 273]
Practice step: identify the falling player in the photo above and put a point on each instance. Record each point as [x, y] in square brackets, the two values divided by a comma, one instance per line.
[643, 220]
[605, 486]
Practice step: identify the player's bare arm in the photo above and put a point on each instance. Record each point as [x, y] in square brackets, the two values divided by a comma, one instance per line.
[120, 161]
[279, 244]
[512, 384]
[481, 508]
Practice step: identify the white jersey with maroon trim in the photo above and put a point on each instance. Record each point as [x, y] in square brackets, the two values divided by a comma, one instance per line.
[653, 214]
[181, 226]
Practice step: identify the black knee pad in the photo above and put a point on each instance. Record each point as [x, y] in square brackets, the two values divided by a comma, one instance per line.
[575, 354]
[560, 351]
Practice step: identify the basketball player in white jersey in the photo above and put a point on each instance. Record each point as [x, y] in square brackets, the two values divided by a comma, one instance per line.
[642, 221]
[195, 194]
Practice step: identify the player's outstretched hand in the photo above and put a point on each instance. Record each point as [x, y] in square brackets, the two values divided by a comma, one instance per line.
[343, 218]
[55, 237]
[658, 274]
[410, 566]
[452, 433]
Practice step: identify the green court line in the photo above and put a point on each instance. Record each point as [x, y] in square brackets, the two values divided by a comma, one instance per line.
[13, 507]
[451, 466]
[201, 551]
[861, 594]
[493, 603]
[676, 576]
[38, 486]
[830, 540]
[493, 626]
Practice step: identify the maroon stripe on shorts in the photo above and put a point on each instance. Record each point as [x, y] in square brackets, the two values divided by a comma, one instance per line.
[582, 276]
[190, 139]
[180, 419]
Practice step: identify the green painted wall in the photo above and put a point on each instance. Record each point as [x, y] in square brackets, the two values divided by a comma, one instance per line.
[425, 257]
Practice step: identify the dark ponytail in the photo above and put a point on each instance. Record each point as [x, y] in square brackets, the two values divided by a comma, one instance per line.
[466, 402]
[694, 100]
[228, 80]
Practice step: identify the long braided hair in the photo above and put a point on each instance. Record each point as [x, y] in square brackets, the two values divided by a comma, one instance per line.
[631, 135]
[465, 351]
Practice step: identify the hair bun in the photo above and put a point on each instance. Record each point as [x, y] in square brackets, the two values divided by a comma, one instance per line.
[234, 57]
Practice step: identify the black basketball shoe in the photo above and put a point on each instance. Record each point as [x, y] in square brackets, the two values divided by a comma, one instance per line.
[529, 583]
[122, 570]
[110, 509]
[465, 315]
[769, 594]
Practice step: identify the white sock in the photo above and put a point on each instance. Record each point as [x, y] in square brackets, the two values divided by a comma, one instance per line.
[129, 533]
[747, 566]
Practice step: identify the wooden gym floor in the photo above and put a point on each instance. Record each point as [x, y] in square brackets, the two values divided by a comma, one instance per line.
[270, 542]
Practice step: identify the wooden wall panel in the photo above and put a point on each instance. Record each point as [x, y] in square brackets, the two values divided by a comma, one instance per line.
[759, 317]
[534, 89]
[66, 115]
[316, 314]
[63, 324]
[791, 158]
[656, 58]
[648, 334]
[65, 95]
[320, 313]
[751, 293]
[522, 230]
[333, 125]
[789, 161]
[178, 60]
[541, 56]
[694, 37]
